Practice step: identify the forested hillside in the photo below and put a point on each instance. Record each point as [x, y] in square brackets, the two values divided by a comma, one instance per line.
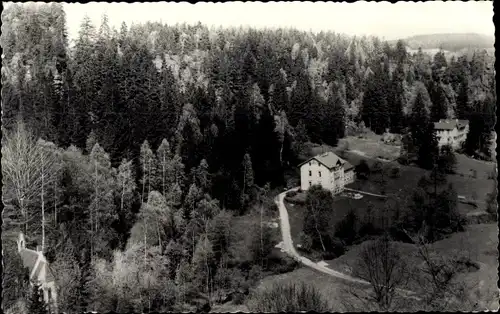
[133, 151]
[452, 42]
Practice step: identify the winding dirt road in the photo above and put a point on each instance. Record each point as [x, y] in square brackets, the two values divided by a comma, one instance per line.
[287, 247]
[290, 249]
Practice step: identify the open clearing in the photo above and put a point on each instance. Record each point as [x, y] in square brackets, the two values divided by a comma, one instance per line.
[371, 145]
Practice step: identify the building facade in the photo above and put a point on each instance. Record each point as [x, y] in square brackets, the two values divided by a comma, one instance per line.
[39, 272]
[451, 132]
[327, 170]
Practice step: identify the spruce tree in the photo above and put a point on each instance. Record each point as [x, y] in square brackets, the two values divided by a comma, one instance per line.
[463, 101]
[439, 102]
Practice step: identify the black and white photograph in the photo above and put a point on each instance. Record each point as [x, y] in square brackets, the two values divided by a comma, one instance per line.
[163, 157]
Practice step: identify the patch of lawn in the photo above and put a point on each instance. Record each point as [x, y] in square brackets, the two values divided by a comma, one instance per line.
[296, 214]
[371, 146]
[332, 289]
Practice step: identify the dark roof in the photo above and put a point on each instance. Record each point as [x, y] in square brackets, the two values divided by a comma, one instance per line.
[329, 160]
[49, 274]
[29, 258]
[446, 124]
[347, 166]
[38, 269]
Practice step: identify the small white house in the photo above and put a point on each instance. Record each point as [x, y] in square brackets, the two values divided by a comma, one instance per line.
[39, 271]
[451, 132]
[328, 170]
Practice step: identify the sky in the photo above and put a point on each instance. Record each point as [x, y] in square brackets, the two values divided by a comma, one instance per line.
[386, 20]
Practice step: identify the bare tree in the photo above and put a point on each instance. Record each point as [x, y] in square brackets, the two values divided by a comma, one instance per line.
[29, 169]
[380, 263]
[49, 170]
[437, 277]
[20, 167]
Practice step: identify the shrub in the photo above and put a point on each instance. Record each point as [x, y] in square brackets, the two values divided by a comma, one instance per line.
[305, 241]
[285, 265]
[238, 298]
[404, 160]
[395, 172]
[377, 167]
[346, 228]
[362, 170]
[289, 298]
[291, 194]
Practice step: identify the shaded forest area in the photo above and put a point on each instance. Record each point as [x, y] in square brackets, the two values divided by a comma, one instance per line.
[133, 150]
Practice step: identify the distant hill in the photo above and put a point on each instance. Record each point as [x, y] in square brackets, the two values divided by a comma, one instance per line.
[452, 42]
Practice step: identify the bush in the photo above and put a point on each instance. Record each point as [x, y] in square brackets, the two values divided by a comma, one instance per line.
[346, 228]
[289, 298]
[285, 265]
[404, 160]
[377, 167]
[238, 298]
[305, 241]
[395, 172]
[362, 170]
[291, 194]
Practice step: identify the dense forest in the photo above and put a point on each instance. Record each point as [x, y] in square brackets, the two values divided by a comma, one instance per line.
[132, 150]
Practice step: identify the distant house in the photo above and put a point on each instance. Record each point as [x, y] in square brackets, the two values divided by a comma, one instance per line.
[328, 170]
[451, 132]
[39, 272]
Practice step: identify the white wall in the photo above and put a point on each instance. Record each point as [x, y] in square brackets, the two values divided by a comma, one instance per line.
[314, 178]
[447, 137]
[349, 176]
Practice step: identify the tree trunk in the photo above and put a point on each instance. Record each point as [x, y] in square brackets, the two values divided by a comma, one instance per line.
[317, 230]
[43, 210]
[55, 203]
[122, 197]
[149, 176]
[163, 175]
[97, 198]
[143, 181]
[159, 236]
[261, 241]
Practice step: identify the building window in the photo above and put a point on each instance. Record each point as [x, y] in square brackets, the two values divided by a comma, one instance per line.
[49, 292]
[310, 183]
[319, 173]
[310, 173]
[309, 163]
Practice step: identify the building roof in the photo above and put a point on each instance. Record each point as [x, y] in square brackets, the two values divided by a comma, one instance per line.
[446, 124]
[329, 160]
[49, 274]
[348, 166]
[29, 258]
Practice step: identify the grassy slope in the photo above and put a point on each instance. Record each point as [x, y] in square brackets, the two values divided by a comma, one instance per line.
[479, 241]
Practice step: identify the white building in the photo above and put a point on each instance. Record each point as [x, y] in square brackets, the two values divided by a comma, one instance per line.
[327, 170]
[451, 132]
[39, 272]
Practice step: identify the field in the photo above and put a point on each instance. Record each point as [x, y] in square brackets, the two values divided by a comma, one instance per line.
[371, 146]
[478, 242]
